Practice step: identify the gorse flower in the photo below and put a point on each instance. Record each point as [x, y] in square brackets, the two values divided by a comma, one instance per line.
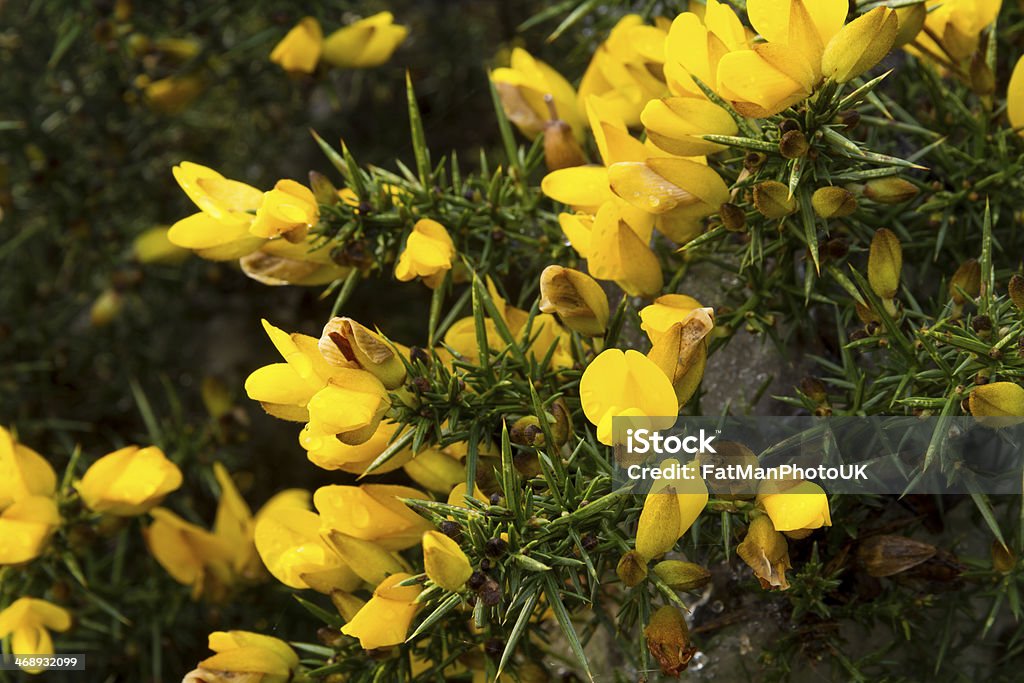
[669, 510]
[28, 511]
[243, 655]
[299, 50]
[28, 622]
[365, 43]
[428, 254]
[766, 552]
[129, 481]
[618, 384]
[445, 563]
[372, 512]
[794, 505]
[385, 619]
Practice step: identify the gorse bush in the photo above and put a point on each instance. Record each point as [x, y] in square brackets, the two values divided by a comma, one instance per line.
[837, 180]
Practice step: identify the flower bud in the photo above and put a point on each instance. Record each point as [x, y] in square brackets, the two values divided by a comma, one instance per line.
[682, 576]
[793, 144]
[105, 308]
[833, 202]
[887, 555]
[668, 639]
[578, 300]
[772, 199]
[632, 568]
[444, 561]
[966, 282]
[885, 260]
[727, 454]
[1003, 559]
[526, 431]
[999, 404]
[764, 549]
[658, 528]
[891, 190]
[435, 471]
[344, 341]
[1016, 291]
[129, 481]
[733, 217]
[561, 149]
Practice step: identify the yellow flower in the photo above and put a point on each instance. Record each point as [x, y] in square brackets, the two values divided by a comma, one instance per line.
[576, 298]
[129, 481]
[385, 619]
[350, 407]
[243, 655]
[666, 311]
[28, 621]
[663, 185]
[190, 554]
[695, 46]
[23, 472]
[365, 43]
[153, 246]
[289, 209]
[331, 454]
[28, 511]
[617, 383]
[626, 69]
[523, 87]
[428, 254]
[173, 94]
[794, 505]
[220, 231]
[284, 389]
[1015, 97]
[619, 253]
[958, 25]
[25, 528]
[765, 551]
[299, 50]
[678, 124]
[444, 561]
[289, 543]
[670, 509]
[372, 512]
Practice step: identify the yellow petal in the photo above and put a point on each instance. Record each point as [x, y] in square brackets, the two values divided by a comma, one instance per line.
[860, 45]
[299, 50]
[1015, 95]
[676, 124]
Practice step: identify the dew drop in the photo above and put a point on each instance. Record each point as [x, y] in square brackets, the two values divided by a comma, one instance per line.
[653, 201]
[698, 662]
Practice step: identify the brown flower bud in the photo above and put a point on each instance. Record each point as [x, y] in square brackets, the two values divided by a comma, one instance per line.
[891, 190]
[561, 150]
[833, 202]
[682, 576]
[793, 144]
[887, 555]
[772, 199]
[1016, 291]
[668, 639]
[733, 217]
[1003, 559]
[982, 80]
